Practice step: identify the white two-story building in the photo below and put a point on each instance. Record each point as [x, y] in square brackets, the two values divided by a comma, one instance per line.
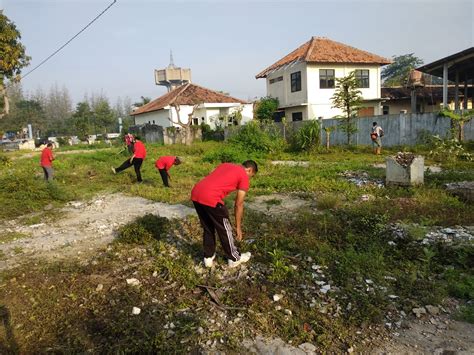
[304, 80]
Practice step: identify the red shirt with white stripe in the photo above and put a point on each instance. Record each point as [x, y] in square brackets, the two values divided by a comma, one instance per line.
[217, 185]
[165, 162]
[139, 150]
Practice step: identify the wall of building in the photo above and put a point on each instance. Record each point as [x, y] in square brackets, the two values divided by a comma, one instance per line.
[319, 99]
[282, 89]
[159, 118]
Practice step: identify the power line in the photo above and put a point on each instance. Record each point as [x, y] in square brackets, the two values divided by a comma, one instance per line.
[65, 44]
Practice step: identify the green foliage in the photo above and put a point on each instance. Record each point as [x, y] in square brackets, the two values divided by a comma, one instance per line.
[280, 270]
[82, 118]
[144, 230]
[12, 52]
[396, 73]
[225, 154]
[308, 137]
[448, 149]
[257, 137]
[103, 115]
[209, 134]
[265, 108]
[347, 98]
[458, 120]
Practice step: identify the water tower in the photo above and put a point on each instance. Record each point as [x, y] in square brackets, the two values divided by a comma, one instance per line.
[172, 76]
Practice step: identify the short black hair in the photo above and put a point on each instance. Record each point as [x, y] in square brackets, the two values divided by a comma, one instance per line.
[177, 160]
[374, 123]
[251, 164]
[49, 144]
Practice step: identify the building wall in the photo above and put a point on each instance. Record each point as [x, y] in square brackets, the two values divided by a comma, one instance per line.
[319, 99]
[395, 106]
[282, 89]
[210, 112]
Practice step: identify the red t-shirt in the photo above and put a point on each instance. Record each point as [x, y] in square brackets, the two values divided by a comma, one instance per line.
[223, 180]
[139, 150]
[165, 162]
[46, 157]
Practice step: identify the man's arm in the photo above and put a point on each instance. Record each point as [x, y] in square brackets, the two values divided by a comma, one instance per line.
[239, 212]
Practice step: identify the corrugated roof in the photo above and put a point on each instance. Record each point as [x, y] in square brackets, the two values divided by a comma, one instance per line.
[188, 94]
[324, 50]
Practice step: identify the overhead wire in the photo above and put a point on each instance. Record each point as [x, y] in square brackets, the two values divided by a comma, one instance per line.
[69, 41]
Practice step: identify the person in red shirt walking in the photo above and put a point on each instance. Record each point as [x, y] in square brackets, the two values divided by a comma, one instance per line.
[46, 161]
[139, 154]
[207, 196]
[163, 164]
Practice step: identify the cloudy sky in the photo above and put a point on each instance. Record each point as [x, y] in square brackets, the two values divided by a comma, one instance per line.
[225, 43]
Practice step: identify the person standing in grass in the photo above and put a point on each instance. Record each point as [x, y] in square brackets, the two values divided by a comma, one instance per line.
[46, 161]
[207, 196]
[129, 142]
[139, 154]
[164, 164]
[376, 135]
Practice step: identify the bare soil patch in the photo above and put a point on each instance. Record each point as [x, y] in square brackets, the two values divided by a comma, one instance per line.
[83, 227]
[279, 204]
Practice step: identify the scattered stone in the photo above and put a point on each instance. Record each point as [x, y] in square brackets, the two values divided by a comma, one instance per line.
[288, 312]
[136, 311]
[133, 282]
[277, 297]
[307, 347]
[155, 273]
[325, 288]
[434, 311]
[369, 282]
[304, 164]
[201, 330]
[464, 190]
[99, 287]
[419, 311]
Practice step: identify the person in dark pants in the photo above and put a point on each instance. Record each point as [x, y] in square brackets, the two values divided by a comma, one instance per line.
[164, 164]
[139, 154]
[46, 161]
[207, 196]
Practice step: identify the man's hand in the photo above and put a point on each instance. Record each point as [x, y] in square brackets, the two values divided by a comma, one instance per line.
[239, 235]
[131, 160]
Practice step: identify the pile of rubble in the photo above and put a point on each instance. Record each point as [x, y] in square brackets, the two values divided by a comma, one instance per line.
[361, 179]
[404, 158]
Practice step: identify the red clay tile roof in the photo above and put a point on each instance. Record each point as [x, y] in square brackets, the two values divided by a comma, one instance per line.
[188, 94]
[324, 50]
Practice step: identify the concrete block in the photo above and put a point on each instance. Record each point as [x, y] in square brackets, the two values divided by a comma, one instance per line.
[397, 174]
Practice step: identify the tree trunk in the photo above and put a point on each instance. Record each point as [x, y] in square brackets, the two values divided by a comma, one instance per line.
[327, 139]
[6, 102]
[189, 137]
[461, 131]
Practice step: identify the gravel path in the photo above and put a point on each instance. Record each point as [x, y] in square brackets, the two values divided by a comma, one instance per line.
[84, 227]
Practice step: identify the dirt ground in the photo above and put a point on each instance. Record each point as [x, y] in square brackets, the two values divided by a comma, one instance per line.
[85, 226]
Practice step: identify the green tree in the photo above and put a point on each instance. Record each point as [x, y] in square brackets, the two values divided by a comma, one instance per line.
[348, 99]
[144, 101]
[103, 115]
[458, 120]
[265, 108]
[25, 112]
[397, 73]
[82, 119]
[12, 59]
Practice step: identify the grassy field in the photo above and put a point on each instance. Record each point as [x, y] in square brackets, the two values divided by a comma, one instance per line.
[346, 242]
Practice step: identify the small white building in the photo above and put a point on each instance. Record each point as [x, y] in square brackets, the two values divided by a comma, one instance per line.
[304, 80]
[210, 107]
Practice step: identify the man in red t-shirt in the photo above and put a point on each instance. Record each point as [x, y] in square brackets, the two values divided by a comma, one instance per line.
[139, 154]
[46, 161]
[163, 164]
[207, 196]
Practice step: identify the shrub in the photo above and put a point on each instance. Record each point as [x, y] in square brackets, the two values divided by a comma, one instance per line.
[228, 154]
[308, 137]
[257, 137]
[143, 230]
[448, 150]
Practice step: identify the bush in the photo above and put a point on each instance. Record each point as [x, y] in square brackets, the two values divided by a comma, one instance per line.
[449, 149]
[228, 154]
[144, 230]
[258, 137]
[308, 137]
